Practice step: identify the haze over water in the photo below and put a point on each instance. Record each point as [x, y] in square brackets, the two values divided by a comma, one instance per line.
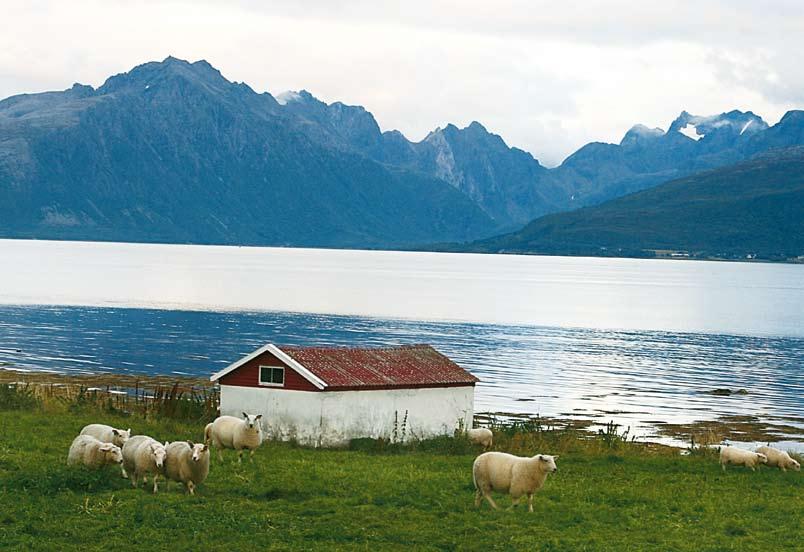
[637, 341]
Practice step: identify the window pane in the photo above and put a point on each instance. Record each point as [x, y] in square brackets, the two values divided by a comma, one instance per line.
[278, 375]
[265, 374]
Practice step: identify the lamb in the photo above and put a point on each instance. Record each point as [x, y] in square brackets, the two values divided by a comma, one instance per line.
[779, 459]
[108, 434]
[740, 457]
[481, 436]
[187, 463]
[141, 455]
[234, 433]
[515, 475]
[93, 453]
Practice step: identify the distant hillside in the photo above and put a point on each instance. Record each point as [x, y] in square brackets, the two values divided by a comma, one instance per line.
[752, 209]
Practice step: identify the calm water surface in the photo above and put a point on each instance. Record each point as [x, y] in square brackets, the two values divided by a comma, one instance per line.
[637, 341]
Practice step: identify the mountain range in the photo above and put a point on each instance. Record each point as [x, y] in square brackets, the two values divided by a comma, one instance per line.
[750, 210]
[172, 151]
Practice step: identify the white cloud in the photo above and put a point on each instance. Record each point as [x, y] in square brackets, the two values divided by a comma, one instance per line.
[546, 76]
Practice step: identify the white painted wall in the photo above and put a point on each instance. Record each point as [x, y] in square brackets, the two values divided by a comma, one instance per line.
[331, 418]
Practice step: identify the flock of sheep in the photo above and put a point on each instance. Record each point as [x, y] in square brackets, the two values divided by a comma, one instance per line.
[184, 461]
[188, 463]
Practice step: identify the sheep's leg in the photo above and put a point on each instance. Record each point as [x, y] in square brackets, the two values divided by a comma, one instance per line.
[240, 456]
[251, 456]
[191, 487]
[156, 487]
[125, 475]
[478, 498]
[723, 466]
[491, 501]
[783, 468]
[530, 502]
[134, 478]
[220, 454]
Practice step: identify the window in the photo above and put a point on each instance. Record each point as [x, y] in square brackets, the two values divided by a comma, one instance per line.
[272, 375]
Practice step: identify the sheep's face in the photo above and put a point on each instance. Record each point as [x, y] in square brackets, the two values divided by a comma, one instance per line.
[252, 420]
[548, 462]
[199, 451]
[159, 454]
[113, 453]
[121, 436]
[762, 458]
[794, 465]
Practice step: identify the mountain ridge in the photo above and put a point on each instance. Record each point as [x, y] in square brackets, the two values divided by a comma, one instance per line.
[175, 140]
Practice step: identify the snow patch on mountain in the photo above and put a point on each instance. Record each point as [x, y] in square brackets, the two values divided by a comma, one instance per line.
[690, 131]
[288, 96]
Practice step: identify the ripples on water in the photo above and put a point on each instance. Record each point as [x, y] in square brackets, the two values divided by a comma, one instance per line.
[637, 378]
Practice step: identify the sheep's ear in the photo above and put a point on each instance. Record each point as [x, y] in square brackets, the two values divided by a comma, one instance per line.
[116, 433]
[166, 444]
[128, 431]
[191, 444]
[258, 416]
[205, 448]
[245, 415]
[555, 457]
[541, 458]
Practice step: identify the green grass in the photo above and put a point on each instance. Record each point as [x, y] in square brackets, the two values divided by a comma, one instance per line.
[301, 499]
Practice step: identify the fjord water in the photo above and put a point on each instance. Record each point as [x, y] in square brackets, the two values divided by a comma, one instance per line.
[636, 341]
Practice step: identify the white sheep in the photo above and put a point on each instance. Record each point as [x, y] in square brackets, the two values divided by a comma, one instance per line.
[779, 459]
[481, 436]
[514, 475]
[108, 434]
[187, 463]
[93, 453]
[740, 457]
[235, 433]
[141, 455]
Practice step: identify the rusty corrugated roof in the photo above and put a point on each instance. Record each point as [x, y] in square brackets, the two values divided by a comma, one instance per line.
[404, 366]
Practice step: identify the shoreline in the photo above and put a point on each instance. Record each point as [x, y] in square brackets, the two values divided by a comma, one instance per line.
[680, 436]
[438, 249]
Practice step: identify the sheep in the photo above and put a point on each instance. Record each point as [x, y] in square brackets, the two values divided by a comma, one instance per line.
[740, 457]
[779, 459]
[515, 475]
[108, 434]
[142, 454]
[93, 453]
[187, 463]
[481, 436]
[234, 433]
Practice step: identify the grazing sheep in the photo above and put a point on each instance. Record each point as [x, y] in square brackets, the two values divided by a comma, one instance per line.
[187, 463]
[93, 453]
[779, 459]
[740, 457]
[235, 433]
[515, 475]
[142, 454]
[108, 434]
[481, 436]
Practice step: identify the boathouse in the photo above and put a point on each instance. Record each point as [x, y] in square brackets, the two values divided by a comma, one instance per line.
[325, 396]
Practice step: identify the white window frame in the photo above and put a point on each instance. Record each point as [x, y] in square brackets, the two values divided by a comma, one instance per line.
[270, 384]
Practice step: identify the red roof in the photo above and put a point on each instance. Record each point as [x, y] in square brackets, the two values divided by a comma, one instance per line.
[405, 366]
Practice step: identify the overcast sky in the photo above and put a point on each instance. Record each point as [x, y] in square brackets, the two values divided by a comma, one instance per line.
[547, 76]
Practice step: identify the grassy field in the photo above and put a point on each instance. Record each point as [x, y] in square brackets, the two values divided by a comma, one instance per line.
[622, 498]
